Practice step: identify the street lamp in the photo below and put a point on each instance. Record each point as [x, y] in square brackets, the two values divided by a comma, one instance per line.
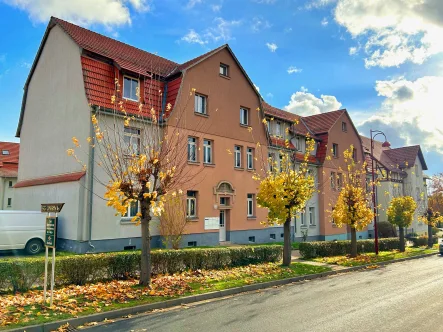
[385, 144]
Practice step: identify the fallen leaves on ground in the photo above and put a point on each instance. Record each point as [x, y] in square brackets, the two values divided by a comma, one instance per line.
[72, 300]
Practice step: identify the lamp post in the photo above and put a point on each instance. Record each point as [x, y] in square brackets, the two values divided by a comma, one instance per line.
[385, 144]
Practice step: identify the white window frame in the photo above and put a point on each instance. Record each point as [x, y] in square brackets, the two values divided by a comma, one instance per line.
[312, 216]
[244, 116]
[278, 129]
[201, 104]
[250, 205]
[237, 156]
[224, 70]
[192, 145]
[132, 79]
[335, 150]
[132, 136]
[5, 152]
[250, 158]
[207, 151]
[302, 219]
[128, 210]
[189, 200]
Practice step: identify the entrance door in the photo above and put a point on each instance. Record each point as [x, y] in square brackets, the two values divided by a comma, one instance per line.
[222, 224]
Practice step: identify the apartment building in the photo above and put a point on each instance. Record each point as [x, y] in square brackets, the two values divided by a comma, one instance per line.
[8, 173]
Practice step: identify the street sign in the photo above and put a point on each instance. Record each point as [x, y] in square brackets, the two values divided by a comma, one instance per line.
[51, 232]
[52, 207]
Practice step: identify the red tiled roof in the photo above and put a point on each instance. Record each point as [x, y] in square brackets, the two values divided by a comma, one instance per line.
[321, 123]
[9, 162]
[69, 177]
[126, 56]
[299, 127]
[405, 156]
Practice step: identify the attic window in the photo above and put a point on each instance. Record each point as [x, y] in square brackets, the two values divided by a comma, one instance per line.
[224, 69]
[344, 127]
[5, 152]
[130, 88]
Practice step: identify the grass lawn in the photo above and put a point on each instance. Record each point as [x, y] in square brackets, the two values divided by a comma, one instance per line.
[17, 310]
[370, 258]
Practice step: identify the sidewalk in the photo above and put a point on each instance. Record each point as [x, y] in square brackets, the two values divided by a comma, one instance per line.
[295, 258]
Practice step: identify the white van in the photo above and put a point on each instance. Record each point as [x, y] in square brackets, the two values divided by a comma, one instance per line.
[22, 230]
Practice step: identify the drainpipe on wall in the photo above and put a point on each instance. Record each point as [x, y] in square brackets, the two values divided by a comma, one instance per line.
[91, 184]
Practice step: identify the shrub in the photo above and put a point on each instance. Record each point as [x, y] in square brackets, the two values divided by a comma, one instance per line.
[422, 241]
[435, 230]
[21, 274]
[337, 248]
[386, 229]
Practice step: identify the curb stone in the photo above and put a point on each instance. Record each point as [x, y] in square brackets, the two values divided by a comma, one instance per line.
[119, 313]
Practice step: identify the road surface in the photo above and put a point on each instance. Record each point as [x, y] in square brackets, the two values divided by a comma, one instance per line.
[405, 296]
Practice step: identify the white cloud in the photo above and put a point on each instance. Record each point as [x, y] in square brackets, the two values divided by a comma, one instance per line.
[411, 111]
[193, 37]
[318, 4]
[294, 70]
[324, 21]
[395, 31]
[267, 2]
[303, 89]
[259, 24]
[192, 3]
[353, 50]
[269, 95]
[216, 8]
[82, 12]
[272, 47]
[305, 103]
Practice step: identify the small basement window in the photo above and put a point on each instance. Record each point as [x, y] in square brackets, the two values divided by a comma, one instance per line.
[192, 244]
[129, 248]
[281, 235]
[272, 236]
[251, 239]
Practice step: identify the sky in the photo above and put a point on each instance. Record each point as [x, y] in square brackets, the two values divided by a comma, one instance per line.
[381, 60]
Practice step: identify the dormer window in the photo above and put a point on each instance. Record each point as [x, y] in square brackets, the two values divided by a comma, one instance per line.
[131, 88]
[5, 152]
[224, 70]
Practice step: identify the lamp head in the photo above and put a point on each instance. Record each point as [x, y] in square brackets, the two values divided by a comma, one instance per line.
[386, 144]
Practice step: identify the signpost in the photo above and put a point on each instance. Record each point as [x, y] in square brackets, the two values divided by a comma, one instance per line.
[50, 242]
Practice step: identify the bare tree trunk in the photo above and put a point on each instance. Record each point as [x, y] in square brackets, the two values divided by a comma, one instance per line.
[145, 266]
[353, 242]
[287, 248]
[430, 237]
[402, 238]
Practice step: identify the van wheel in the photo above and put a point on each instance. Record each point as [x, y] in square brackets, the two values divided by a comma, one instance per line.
[34, 246]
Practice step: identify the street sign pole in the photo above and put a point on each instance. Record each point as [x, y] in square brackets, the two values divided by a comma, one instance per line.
[46, 274]
[53, 267]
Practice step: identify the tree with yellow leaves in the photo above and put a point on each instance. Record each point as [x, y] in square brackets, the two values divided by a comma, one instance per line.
[431, 218]
[352, 207]
[143, 157]
[284, 191]
[401, 213]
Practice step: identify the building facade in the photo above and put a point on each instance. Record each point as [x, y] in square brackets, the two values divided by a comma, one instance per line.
[9, 153]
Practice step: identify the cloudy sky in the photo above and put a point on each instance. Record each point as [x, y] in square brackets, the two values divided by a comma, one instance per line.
[381, 60]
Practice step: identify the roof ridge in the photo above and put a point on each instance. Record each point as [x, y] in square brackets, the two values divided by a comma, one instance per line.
[56, 19]
[320, 114]
[408, 146]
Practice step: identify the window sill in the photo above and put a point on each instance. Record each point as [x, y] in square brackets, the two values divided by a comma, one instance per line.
[239, 168]
[252, 218]
[130, 99]
[191, 219]
[127, 221]
[205, 115]
[244, 125]
[312, 226]
[208, 165]
[224, 76]
[251, 169]
[303, 226]
[195, 163]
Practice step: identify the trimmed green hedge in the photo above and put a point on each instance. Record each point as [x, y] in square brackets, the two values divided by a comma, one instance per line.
[337, 248]
[21, 274]
[422, 241]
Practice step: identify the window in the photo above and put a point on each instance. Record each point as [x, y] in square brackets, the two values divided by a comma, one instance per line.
[130, 88]
[339, 180]
[192, 244]
[207, 151]
[191, 204]
[250, 158]
[335, 150]
[271, 161]
[192, 149]
[281, 235]
[224, 201]
[250, 200]
[311, 216]
[278, 128]
[268, 125]
[416, 170]
[281, 163]
[354, 154]
[9, 202]
[302, 218]
[251, 239]
[333, 180]
[343, 126]
[298, 144]
[237, 156]
[200, 104]
[244, 113]
[224, 69]
[132, 140]
[272, 236]
[5, 152]
[132, 209]
[10, 184]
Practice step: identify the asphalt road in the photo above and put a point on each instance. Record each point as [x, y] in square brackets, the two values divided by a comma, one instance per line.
[405, 296]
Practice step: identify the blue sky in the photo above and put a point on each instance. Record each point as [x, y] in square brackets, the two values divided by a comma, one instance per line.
[383, 61]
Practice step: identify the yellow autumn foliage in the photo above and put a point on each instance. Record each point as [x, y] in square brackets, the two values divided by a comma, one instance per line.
[401, 211]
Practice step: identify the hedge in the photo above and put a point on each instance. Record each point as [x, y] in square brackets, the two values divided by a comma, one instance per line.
[20, 274]
[422, 241]
[337, 248]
